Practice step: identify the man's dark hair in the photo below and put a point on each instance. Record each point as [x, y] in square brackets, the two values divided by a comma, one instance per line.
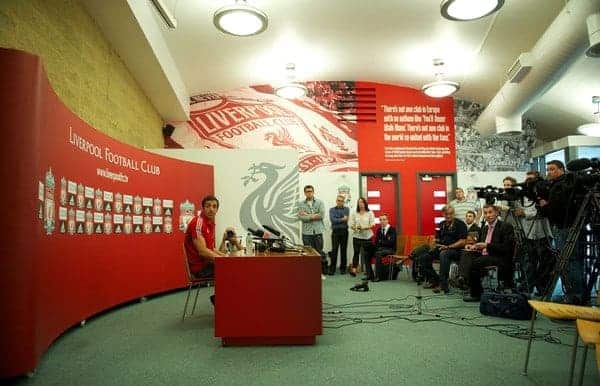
[535, 173]
[470, 211]
[491, 206]
[512, 180]
[366, 204]
[447, 208]
[208, 198]
[556, 163]
[309, 187]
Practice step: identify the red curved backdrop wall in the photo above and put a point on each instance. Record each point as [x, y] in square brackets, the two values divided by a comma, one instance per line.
[72, 245]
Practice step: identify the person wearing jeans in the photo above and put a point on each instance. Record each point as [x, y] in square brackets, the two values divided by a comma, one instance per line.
[311, 212]
[450, 239]
[361, 223]
[339, 215]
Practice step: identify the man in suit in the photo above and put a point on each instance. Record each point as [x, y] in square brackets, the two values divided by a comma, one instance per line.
[385, 244]
[496, 247]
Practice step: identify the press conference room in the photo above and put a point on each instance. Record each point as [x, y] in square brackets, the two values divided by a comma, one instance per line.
[341, 192]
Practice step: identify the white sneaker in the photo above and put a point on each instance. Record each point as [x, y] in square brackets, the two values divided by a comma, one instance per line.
[323, 277]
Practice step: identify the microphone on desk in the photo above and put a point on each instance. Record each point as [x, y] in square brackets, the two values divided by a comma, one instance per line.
[259, 233]
[272, 230]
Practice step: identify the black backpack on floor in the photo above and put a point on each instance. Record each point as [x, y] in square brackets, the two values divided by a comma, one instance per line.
[511, 306]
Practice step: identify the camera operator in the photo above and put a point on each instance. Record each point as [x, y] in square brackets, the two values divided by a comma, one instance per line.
[230, 241]
[538, 234]
[504, 206]
[557, 209]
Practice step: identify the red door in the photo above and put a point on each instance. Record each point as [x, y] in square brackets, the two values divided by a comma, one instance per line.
[432, 193]
[382, 196]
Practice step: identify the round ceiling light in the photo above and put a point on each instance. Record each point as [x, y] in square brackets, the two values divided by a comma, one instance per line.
[291, 90]
[590, 129]
[463, 10]
[440, 88]
[240, 19]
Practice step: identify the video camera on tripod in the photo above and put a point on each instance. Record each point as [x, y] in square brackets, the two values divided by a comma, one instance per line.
[584, 174]
[534, 189]
[491, 194]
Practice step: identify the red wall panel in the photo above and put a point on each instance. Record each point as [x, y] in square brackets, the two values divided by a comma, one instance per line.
[428, 200]
[411, 133]
[387, 200]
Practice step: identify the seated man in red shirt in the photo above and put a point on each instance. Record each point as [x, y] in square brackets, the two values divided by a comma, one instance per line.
[200, 240]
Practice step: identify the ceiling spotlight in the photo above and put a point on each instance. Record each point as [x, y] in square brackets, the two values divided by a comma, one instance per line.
[240, 19]
[291, 89]
[440, 88]
[592, 129]
[593, 25]
[464, 10]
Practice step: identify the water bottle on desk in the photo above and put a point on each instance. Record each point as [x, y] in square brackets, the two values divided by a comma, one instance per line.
[249, 245]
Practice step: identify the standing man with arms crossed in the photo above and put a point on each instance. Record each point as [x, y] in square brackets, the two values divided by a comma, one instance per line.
[338, 215]
[461, 205]
[199, 241]
[311, 212]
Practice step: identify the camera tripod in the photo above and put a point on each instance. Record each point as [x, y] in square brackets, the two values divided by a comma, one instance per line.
[521, 284]
[588, 214]
[527, 248]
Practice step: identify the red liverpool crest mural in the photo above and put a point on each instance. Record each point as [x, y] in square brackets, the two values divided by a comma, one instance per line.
[254, 117]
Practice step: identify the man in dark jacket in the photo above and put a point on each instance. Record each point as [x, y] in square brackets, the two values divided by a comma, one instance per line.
[385, 244]
[496, 246]
[450, 238]
[560, 211]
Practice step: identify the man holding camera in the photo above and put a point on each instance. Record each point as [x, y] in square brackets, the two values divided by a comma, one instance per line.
[559, 211]
[230, 242]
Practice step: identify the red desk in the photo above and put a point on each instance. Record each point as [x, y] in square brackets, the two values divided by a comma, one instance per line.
[268, 300]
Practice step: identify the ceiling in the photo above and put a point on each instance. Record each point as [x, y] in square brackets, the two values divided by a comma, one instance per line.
[388, 41]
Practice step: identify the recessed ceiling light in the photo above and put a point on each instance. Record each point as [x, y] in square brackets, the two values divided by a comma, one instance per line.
[440, 88]
[463, 10]
[240, 19]
[590, 129]
[291, 89]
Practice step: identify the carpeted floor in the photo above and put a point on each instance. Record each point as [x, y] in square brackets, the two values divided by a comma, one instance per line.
[374, 337]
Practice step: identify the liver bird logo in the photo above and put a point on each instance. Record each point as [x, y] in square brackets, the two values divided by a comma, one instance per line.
[271, 199]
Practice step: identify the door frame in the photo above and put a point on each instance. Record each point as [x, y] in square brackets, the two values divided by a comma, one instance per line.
[398, 196]
[453, 179]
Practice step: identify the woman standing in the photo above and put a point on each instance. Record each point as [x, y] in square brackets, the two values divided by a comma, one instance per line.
[361, 223]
